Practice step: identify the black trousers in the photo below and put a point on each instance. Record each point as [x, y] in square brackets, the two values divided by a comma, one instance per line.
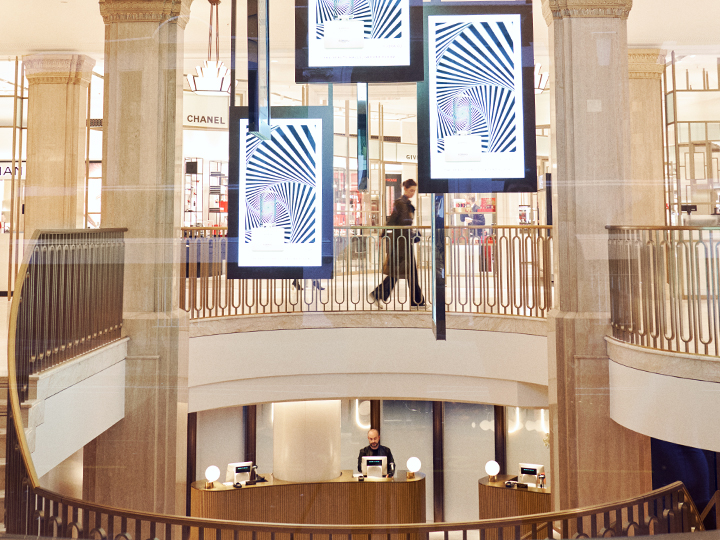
[382, 291]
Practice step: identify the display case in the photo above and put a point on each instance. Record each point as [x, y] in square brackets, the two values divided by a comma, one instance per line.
[218, 193]
[193, 193]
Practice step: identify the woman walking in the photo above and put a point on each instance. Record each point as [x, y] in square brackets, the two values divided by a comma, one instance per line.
[400, 260]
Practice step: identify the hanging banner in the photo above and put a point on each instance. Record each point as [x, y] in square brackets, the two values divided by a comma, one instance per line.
[476, 107]
[358, 41]
[280, 198]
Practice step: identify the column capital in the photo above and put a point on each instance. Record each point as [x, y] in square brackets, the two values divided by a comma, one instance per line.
[53, 68]
[158, 11]
[565, 9]
[646, 63]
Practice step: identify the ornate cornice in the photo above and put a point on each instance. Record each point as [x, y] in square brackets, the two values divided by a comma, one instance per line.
[646, 63]
[606, 9]
[52, 68]
[157, 11]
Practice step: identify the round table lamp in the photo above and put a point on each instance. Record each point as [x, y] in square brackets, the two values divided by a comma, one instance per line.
[492, 468]
[212, 473]
[413, 465]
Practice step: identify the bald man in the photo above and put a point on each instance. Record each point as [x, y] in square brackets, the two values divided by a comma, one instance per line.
[374, 448]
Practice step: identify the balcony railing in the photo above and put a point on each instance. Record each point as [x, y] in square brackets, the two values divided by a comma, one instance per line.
[666, 510]
[665, 288]
[96, 277]
[489, 270]
[68, 300]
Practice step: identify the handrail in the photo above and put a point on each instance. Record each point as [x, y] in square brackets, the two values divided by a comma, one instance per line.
[665, 287]
[659, 228]
[665, 510]
[18, 453]
[714, 502]
[43, 512]
[490, 270]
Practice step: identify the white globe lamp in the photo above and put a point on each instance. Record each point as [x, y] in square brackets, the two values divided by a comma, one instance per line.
[212, 473]
[492, 468]
[413, 465]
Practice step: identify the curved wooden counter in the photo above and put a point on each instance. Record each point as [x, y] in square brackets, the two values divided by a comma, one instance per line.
[341, 501]
[499, 501]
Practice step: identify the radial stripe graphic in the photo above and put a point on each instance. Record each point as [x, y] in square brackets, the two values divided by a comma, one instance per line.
[475, 64]
[381, 18]
[281, 174]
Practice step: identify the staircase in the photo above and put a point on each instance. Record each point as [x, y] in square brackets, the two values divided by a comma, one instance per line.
[3, 443]
[29, 432]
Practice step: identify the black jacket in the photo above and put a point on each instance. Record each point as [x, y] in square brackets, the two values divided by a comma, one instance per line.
[381, 451]
[400, 260]
[475, 219]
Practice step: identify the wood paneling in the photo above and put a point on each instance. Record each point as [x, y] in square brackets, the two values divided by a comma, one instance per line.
[438, 462]
[191, 457]
[250, 422]
[343, 501]
[375, 414]
[500, 438]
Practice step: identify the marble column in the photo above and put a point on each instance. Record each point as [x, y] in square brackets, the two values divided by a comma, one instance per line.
[593, 459]
[648, 184]
[57, 113]
[141, 461]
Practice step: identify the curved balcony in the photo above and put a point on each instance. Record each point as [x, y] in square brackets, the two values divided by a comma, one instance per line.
[489, 271]
[33, 510]
[665, 344]
[665, 288]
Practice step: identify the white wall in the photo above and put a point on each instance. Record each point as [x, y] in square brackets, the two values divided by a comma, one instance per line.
[77, 401]
[469, 443]
[406, 429]
[220, 439]
[673, 409]
[524, 442]
[402, 363]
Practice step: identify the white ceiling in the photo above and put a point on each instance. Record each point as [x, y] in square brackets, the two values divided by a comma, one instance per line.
[687, 26]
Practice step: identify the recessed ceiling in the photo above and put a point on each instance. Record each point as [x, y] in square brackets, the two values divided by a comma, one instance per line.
[688, 27]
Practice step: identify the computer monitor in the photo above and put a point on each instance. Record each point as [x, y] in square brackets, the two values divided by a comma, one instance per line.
[529, 473]
[374, 466]
[238, 472]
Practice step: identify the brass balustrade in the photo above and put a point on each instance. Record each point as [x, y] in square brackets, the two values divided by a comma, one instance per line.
[34, 511]
[490, 270]
[666, 510]
[68, 300]
[665, 287]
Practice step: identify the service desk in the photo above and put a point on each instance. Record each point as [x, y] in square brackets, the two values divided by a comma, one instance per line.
[341, 501]
[498, 501]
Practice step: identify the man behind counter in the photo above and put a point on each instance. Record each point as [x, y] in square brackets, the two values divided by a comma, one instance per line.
[376, 449]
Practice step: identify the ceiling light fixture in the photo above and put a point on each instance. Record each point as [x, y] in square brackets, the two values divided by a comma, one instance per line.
[213, 78]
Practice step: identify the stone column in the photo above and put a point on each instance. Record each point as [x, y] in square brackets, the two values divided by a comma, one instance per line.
[593, 459]
[648, 198]
[141, 461]
[57, 113]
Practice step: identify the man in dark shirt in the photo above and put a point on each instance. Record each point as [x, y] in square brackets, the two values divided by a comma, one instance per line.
[473, 217]
[376, 449]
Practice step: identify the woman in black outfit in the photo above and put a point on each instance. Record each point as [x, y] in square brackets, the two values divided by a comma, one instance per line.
[400, 261]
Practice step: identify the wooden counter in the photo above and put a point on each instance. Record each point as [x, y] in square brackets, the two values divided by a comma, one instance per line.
[498, 501]
[341, 501]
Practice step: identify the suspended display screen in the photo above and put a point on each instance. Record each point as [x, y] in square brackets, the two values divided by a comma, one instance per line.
[280, 198]
[358, 41]
[476, 105]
